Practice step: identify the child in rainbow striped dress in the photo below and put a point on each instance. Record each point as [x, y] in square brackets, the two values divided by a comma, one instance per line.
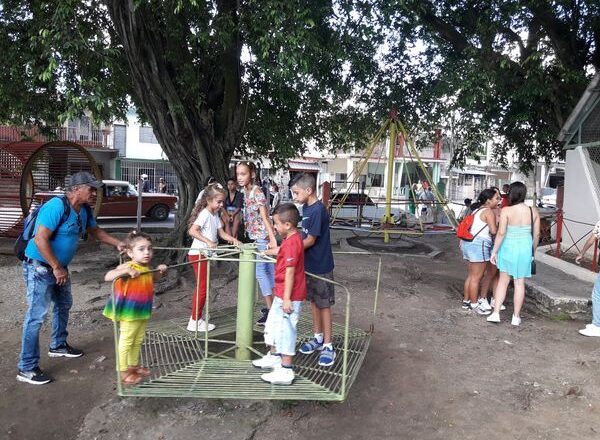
[132, 306]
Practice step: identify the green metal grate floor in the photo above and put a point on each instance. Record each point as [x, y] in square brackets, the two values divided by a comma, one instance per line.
[182, 368]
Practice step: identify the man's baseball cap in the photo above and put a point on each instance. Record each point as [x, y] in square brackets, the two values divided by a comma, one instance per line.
[85, 178]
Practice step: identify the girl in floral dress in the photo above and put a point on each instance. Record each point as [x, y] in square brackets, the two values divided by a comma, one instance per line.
[259, 228]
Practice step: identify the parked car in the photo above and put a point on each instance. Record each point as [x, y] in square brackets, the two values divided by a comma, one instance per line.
[119, 199]
[548, 197]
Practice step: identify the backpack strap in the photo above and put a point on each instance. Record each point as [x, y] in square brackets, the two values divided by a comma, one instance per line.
[63, 218]
[484, 226]
[88, 215]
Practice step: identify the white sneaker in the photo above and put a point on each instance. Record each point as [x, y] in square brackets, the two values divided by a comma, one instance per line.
[268, 361]
[590, 330]
[279, 376]
[494, 317]
[481, 311]
[492, 302]
[516, 320]
[484, 304]
[201, 325]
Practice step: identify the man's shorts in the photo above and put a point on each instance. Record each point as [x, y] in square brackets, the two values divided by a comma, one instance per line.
[320, 292]
[280, 328]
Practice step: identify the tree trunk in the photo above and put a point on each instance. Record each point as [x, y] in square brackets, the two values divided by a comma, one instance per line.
[197, 136]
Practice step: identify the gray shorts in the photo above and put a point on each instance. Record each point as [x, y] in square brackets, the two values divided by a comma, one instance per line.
[319, 292]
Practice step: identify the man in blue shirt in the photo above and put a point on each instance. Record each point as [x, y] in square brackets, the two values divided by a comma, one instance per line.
[46, 274]
[318, 260]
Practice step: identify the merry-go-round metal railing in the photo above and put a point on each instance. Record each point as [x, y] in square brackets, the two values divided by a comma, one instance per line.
[218, 365]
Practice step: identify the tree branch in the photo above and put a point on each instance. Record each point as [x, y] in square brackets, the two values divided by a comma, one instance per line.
[570, 49]
[459, 42]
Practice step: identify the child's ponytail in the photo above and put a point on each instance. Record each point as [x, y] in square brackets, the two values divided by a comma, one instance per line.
[209, 193]
[484, 196]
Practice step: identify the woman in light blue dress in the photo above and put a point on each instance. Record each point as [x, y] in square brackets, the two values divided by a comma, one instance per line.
[513, 250]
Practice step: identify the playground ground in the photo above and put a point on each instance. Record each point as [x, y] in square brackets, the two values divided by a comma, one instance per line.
[432, 371]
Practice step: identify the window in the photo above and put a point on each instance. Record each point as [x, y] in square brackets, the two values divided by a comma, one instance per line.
[147, 135]
[116, 190]
[120, 138]
[84, 128]
[467, 179]
[376, 180]
[79, 129]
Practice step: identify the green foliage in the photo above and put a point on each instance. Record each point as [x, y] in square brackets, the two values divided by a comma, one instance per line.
[297, 81]
[511, 71]
[270, 76]
[58, 61]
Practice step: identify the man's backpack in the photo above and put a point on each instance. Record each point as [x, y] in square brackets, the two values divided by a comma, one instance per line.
[29, 228]
[464, 228]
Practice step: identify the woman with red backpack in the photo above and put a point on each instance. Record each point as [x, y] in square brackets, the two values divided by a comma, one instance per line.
[478, 249]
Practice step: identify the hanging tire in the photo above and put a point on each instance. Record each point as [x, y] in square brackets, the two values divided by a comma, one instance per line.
[159, 212]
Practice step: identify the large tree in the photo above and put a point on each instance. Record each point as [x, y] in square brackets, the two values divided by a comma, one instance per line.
[215, 76]
[508, 70]
[211, 76]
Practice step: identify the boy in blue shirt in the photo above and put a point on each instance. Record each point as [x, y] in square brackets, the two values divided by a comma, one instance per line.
[318, 260]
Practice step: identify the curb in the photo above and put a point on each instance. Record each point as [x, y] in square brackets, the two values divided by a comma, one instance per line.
[568, 268]
[556, 306]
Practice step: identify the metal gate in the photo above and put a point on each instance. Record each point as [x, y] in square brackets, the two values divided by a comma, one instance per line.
[28, 168]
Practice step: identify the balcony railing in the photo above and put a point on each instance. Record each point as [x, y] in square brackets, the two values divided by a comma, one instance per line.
[425, 153]
[90, 138]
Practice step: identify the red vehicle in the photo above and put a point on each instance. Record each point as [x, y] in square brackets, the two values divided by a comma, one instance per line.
[119, 199]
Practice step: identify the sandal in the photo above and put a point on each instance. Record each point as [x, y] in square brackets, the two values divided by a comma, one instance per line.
[131, 379]
[142, 371]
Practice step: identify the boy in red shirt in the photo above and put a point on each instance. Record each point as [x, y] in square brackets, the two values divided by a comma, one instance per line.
[289, 292]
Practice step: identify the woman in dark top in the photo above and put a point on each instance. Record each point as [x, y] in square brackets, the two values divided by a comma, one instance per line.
[233, 205]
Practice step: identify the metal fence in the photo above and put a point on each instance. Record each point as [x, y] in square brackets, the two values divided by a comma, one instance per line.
[132, 169]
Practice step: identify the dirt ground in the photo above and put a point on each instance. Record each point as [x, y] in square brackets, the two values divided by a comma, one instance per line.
[433, 371]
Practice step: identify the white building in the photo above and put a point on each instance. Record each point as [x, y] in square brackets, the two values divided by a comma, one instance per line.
[581, 137]
[135, 140]
[140, 153]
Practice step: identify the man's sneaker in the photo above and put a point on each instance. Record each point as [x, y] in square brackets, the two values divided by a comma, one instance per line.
[64, 350]
[516, 320]
[263, 319]
[279, 376]
[590, 330]
[327, 357]
[34, 377]
[311, 346]
[492, 302]
[494, 317]
[484, 304]
[480, 311]
[201, 325]
[466, 305]
[268, 361]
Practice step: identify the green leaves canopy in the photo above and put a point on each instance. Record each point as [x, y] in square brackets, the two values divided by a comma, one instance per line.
[269, 76]
[509, 71]
[259, 76]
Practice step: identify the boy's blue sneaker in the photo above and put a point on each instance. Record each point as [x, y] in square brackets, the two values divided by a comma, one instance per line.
[263, 318]
[311, 346]
[327, 357]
